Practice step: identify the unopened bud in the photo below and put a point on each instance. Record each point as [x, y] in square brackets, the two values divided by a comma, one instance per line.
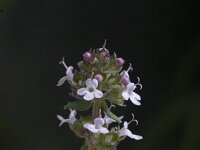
[125, 80]
[119, 61]
[87, 56]
[98, 77]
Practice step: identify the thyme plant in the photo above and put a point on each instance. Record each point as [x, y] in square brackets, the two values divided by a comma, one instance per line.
[98, 85]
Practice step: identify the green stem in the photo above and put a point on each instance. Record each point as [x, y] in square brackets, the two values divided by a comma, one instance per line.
[95, 109]
[95, 113]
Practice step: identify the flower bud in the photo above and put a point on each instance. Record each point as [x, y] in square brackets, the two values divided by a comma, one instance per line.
[119, 61]
[98, 77]
[125, 80]
[87, 56]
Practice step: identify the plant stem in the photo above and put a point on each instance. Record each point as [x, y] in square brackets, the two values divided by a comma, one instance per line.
[95, 109]
[95, 113]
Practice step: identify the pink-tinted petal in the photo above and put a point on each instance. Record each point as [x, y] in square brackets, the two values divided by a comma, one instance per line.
[82, 91]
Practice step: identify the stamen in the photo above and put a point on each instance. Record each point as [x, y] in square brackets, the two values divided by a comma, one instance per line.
[130, 68]
[111, 106]
[133, 119]
[63, 62]
[100, 113]
[138, 83]
[104, 44]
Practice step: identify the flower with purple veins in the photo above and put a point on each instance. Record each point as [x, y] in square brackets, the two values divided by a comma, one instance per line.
[97, 127]
[91, 91]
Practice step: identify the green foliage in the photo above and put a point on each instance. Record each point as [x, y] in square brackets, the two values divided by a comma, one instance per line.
[79, 105]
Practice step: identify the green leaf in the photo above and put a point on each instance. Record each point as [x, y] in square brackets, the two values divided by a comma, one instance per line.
[84, 147]
[109, 113]
[80, 105]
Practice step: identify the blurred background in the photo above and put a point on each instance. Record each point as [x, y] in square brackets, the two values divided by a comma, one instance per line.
[160, 38]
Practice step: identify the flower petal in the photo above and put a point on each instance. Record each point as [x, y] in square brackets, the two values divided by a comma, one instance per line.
[131, 87]
[98, 93]
[125, 95]
[90, 127]
[125, 125]
[98, 122]
[89, 96]
[122, 132]
[129, 133]
[88, 82]
[62, 80]
[72, 114]
[136, 96]
[71, 120]
[103, 130]
[69, 69]
[95, 82]
[134, 101]
[136, 137]
[70, 76]
[82, 91]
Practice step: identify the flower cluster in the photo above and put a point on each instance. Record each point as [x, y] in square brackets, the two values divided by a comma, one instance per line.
[98, 83]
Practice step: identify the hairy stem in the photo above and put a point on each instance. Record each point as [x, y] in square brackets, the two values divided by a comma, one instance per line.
[95, 109]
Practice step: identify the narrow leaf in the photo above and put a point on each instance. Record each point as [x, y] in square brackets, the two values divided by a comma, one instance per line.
[80, 105]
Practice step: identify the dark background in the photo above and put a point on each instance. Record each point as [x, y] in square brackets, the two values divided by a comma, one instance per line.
[160, 38]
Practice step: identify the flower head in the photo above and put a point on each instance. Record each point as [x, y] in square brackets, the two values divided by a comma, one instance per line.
[124, 131]
[70, 120]
[91, 91]
[97, 127]
[69, 74]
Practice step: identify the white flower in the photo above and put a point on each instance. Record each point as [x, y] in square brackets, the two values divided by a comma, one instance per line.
[97, 127]
[128, 93]
[126, 132]
[90, 92]
[69, 74]
[70, 120]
